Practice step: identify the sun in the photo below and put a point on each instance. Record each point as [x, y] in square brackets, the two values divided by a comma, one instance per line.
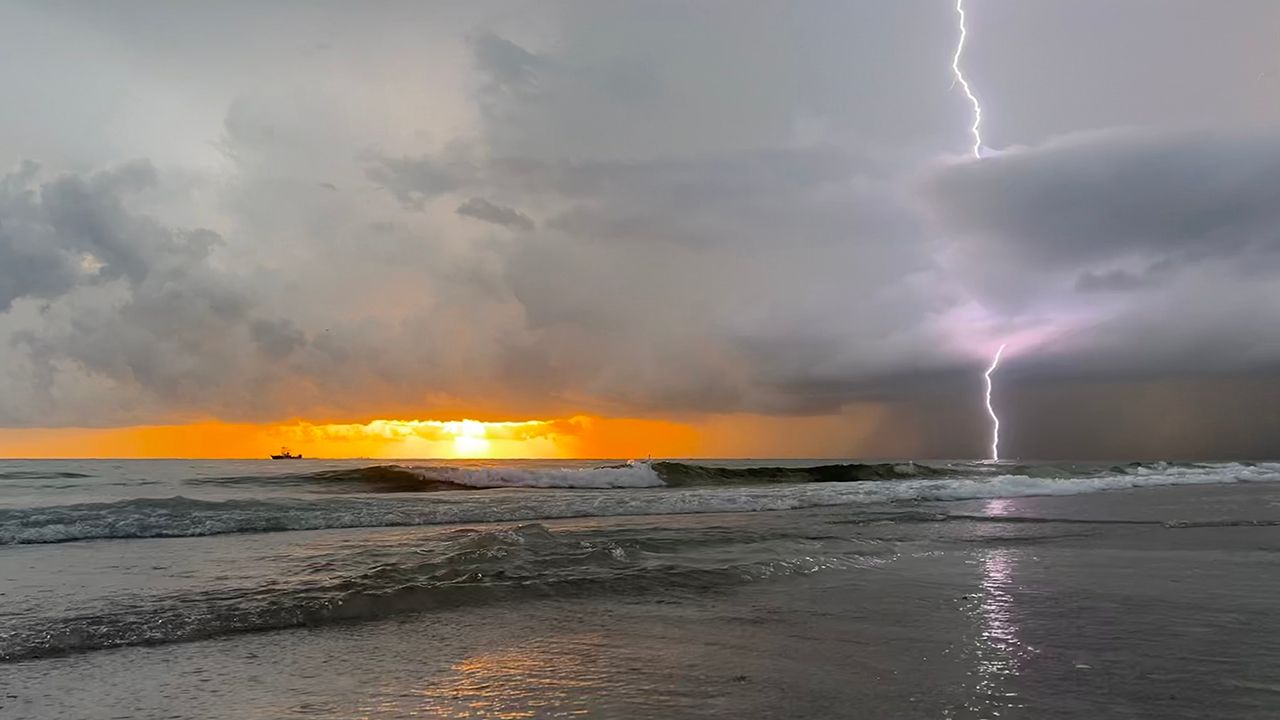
[469, 438]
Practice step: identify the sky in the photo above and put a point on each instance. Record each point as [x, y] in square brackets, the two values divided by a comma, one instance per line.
[713, 228]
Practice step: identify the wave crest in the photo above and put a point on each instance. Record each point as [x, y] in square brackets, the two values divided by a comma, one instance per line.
[436, 478]
[678, 474]
[664, 473]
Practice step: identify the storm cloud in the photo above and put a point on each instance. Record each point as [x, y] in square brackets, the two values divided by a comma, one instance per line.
[643, 209]
[1166, 242]
[1110, 196]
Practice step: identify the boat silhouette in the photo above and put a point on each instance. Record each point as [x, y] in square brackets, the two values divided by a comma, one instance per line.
[286, 455]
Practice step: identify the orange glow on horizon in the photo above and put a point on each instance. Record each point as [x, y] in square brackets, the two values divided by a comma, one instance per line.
[741, 435]
[577, 437]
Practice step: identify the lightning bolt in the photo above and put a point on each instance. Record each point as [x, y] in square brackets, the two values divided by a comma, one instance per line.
[976, 128]
[995, 420]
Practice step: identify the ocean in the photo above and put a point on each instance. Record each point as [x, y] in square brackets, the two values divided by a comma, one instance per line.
[693, 589]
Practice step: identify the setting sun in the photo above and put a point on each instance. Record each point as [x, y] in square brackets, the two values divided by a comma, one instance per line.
[469, 438]
[466, 438]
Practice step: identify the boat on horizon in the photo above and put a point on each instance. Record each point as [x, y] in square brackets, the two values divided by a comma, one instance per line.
[286, 455]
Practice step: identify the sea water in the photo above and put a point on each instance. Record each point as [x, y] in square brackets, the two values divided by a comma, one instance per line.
[670, 589]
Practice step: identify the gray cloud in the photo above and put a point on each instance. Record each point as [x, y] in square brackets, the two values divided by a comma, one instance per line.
[133, 303]
[482, 209]
[276, 338]
[1103, 196]
[416, 181]
[30, 264]
[1162, 245]
[75, 229]
[508, 68]
[644, 261]
[731, 215]
[1122, 280]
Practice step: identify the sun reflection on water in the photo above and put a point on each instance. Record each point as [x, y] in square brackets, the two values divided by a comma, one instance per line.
[531, 681]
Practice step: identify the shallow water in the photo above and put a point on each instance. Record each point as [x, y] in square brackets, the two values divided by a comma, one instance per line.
[865, 599]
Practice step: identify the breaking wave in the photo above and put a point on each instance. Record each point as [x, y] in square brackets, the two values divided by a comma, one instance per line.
[435, 478]
[684, 474]
[697, 489]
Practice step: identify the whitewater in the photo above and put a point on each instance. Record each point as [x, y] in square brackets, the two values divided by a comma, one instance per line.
[66, 501]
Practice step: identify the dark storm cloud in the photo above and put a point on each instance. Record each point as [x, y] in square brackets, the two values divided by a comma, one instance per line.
[29, 273]
[75, 229]
[30, 265]
[1164, 244]
[1175, 196]
[489, 212]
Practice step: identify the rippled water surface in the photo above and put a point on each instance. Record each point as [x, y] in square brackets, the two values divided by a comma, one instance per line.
[234, 590]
